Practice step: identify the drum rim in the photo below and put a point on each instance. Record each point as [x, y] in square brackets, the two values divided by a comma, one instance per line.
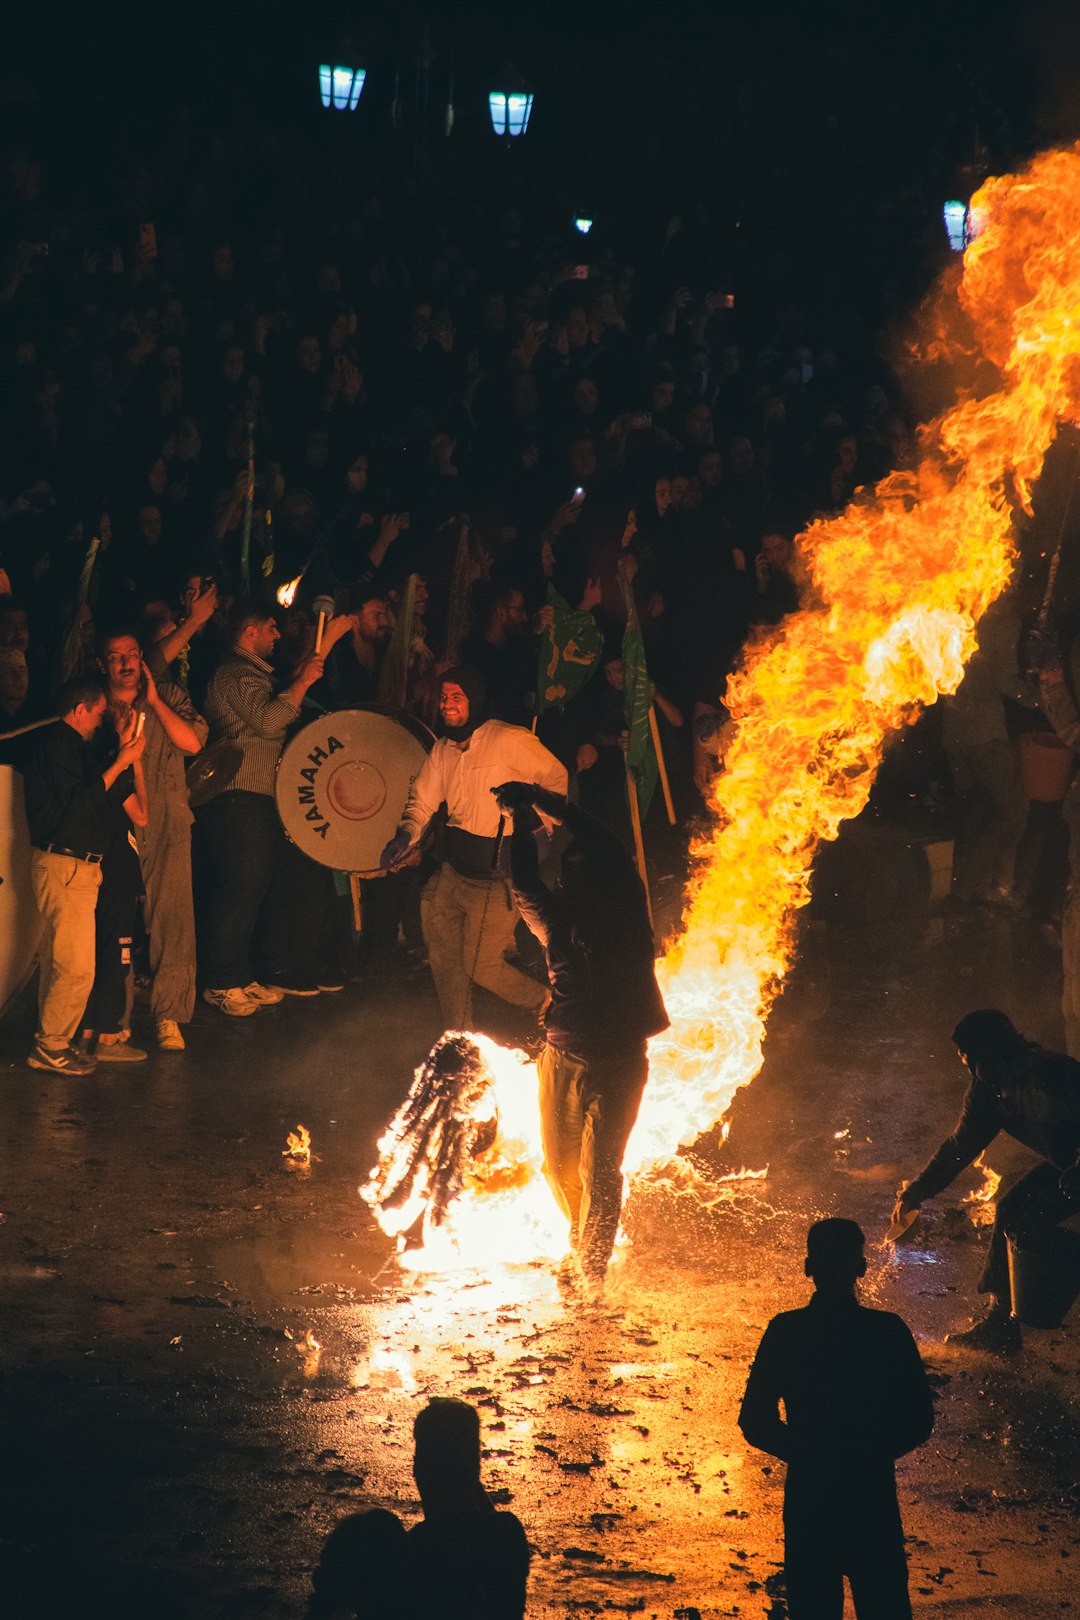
[422, 733]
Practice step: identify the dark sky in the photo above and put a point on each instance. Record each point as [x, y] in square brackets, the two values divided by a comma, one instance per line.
[944, 71]
[1004, 46]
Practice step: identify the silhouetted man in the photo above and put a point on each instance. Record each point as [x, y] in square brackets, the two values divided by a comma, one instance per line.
[1033, 1096]
[466, 1561]
[855, 1398]
[605, 1003]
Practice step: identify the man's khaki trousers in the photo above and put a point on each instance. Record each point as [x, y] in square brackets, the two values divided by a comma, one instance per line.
[66, 891]
[468, 926]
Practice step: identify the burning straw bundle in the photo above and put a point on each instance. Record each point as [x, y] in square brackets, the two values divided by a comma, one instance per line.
[447, 1120]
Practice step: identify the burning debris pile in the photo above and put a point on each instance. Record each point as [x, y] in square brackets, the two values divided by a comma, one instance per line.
[898, 583]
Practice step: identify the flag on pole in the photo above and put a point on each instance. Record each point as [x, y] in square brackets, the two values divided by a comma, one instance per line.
[461, 581]
[569, 653]
[637, 701]
[249, 504]
[71, 659]
[402, 680]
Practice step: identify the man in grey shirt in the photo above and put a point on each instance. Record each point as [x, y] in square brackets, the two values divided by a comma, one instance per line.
[240, 826]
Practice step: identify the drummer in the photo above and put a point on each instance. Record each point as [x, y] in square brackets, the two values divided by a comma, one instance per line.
[352, 672]
[466, 909]
[242, 832]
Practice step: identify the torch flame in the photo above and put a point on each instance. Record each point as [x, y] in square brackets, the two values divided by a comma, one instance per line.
[286, 594]
[899, 582]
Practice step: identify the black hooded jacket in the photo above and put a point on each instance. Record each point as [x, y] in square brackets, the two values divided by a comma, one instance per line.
[597, 941]
[1017, 1087]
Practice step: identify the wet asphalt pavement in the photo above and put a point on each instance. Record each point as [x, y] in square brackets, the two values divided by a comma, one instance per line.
[172, 1451]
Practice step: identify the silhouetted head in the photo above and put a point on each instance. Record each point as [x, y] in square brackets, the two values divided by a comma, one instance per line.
[446, 1461]
[360, 1567]
[987, 1034]
[834, 1254]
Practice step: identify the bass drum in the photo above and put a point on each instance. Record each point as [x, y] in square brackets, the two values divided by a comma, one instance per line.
[342, 784]
[20, 920]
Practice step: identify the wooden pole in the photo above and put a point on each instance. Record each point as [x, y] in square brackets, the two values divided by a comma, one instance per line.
[354, 891]
[34, 725]
[71, 656]
[249, 506]
[661, 767]
[639, 842]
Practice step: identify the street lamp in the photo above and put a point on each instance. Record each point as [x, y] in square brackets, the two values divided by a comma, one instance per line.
[340, 86]
[956, 224]
[510, 107]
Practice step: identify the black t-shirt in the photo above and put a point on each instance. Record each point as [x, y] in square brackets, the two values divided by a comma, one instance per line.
[66, 800]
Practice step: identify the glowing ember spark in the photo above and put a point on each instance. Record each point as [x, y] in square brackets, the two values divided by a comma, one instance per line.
[286, 594]
[981, 1198]
[310, 1352]
[297, 1149]
[898, 583]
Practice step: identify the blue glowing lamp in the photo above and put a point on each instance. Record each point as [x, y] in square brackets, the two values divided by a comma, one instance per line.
[510, 111]
[340, 87]
[956, 223]
[582, 224]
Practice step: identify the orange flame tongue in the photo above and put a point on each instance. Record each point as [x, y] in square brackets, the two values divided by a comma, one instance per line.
[980, 1200]
[900, 580]
[297, 1149]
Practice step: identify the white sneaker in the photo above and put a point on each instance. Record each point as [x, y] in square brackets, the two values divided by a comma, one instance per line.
[264, 995]
[169, 1038]
[236, 1002]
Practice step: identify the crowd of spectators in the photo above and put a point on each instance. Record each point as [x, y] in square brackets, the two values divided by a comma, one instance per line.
[460, 412]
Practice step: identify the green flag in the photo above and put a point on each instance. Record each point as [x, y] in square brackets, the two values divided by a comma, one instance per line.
[71, 658]
[569, 653]
[637, 701]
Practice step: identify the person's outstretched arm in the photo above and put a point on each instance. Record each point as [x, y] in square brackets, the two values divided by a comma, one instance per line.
[975, 1130]
[532, 896]
[425, 796]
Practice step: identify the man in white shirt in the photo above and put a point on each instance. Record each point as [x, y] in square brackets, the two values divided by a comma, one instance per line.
[466, 909]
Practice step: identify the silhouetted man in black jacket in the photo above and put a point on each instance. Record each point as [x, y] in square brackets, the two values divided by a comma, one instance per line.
[605, 1003]
[855, 1398]
[1033, 1096]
